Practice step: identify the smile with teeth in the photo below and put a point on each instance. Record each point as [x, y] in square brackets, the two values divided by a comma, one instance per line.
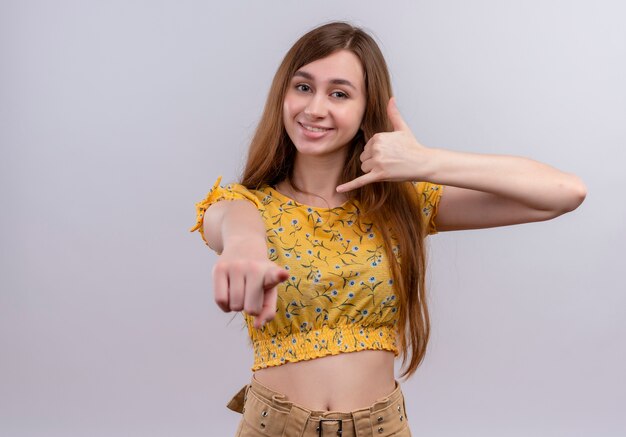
[315, 129]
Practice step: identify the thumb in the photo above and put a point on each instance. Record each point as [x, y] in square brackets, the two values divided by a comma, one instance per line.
[274, 276]
[395, 117]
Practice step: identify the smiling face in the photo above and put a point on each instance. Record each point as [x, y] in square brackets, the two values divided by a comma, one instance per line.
[325, 103]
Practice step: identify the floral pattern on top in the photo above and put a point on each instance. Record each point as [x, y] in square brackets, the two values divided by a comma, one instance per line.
[339, 296]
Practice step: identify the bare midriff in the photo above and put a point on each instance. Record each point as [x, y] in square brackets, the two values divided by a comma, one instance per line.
[343, 382]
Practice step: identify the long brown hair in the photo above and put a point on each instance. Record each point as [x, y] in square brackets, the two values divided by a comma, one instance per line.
[271, 157]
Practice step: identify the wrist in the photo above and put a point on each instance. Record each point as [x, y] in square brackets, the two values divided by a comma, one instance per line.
[430, 164]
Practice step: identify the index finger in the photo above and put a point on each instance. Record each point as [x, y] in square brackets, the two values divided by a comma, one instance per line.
[268, 311]
[365, 179]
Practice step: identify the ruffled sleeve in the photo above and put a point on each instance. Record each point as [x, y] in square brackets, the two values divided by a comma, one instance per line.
[429, 196]
[217, 193]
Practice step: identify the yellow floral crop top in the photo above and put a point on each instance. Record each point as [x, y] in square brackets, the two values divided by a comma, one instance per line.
[339, 297]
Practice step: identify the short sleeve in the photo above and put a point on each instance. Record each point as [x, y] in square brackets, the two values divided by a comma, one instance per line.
[217, 193]
[428, 195]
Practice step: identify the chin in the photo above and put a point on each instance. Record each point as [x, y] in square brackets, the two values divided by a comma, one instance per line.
[317, 151]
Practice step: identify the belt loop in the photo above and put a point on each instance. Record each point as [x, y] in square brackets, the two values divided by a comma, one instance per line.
[238, 401]
[362, 423]
[296, 422]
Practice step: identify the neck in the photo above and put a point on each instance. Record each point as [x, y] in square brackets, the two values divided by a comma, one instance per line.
[319, 175]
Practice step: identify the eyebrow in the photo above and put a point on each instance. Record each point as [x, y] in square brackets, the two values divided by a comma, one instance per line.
[309, 76]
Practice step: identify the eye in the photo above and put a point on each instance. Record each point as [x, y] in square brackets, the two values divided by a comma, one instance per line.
[339, 94]
[303, 87]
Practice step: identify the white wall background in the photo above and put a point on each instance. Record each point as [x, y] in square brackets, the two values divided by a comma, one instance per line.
[116, 116]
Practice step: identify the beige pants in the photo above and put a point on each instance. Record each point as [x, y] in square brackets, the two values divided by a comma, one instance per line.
[268, 413]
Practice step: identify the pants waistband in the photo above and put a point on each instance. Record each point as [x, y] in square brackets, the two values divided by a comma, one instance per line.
[271, 413]
[280, 401]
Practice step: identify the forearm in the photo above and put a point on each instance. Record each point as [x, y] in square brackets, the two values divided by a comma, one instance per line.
[235, 224]
[244, 278]
[524, 180]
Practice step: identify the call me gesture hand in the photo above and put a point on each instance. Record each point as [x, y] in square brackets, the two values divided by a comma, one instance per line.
[482, 190]
[390, 156]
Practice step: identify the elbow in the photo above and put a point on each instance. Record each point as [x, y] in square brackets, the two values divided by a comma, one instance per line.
[574, 194]
[578, 193]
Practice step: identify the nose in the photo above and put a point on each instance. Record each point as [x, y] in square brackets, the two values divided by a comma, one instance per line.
[316, 106]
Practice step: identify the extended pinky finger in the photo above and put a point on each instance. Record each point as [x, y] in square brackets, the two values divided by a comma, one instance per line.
[357, 183]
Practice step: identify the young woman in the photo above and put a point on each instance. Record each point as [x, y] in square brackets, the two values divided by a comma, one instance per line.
[322, 243]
